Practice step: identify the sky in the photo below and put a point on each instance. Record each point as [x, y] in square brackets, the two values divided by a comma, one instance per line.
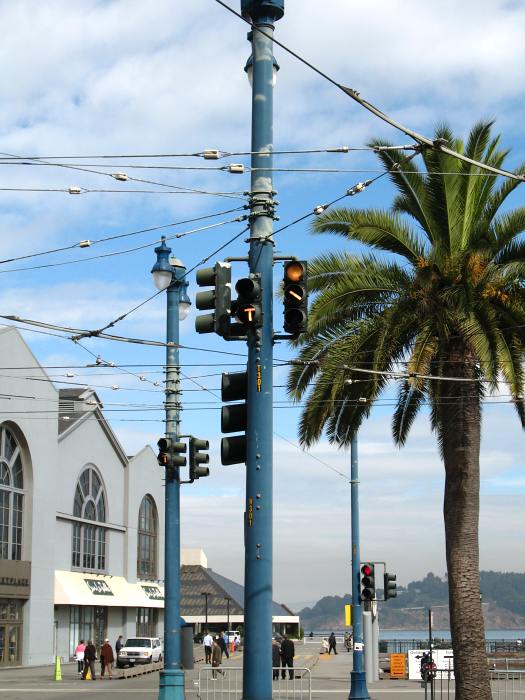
[102, 80]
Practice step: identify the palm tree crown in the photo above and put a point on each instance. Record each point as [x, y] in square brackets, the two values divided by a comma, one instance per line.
[457, 289]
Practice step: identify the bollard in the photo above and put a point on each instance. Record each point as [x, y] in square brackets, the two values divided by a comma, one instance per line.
[58, 671]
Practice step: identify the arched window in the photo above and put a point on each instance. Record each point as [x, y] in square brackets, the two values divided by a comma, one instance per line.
[147, 539]
[89, 541]
[11, 496]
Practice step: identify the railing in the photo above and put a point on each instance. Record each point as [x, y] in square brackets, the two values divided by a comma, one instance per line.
[505, 685]
[225, 683]
[402, 646]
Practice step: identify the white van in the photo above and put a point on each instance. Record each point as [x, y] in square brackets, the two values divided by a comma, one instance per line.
[140, 650]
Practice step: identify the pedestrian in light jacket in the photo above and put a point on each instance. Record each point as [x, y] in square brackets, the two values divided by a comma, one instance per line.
[79, 655]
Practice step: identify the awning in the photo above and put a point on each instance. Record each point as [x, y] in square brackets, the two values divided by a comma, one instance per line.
[74, 588]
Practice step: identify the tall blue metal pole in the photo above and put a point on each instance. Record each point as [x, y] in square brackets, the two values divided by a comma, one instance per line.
[171, 682]
[258, 569]
[358, 687]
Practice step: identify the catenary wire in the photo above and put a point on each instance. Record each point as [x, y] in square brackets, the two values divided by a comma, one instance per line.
[127, 250]
[121, 235]
[354, 95]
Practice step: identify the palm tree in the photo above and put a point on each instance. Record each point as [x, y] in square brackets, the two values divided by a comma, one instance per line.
[440, 307]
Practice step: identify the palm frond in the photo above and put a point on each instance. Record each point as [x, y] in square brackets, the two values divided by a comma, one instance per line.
[375, 228]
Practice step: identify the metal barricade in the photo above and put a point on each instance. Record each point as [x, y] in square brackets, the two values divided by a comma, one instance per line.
[507, 684]
[225, 683]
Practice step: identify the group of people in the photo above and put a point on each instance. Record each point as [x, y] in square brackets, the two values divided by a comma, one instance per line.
[330, 645]
[86, 655]
[282, 657]
[215, 648]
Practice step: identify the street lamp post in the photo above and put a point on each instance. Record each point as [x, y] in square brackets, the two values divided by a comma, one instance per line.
[227, 599]
[171, 275]
[358, 687]
[205, 609]
[258, 567]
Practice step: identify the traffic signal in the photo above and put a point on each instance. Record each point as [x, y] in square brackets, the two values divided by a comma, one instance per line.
[248, 310]
[171, 453]
[295, 296]
[198, 458]
[390, 586]
[234, 387]
[368, 585]
[219, 299]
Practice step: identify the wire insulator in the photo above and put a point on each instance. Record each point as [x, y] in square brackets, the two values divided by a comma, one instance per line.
[84, 244]
[74, 190]
[123, 177]
[210, 154]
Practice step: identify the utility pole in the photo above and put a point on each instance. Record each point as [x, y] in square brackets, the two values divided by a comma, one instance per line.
[358, 687]
[258, 571]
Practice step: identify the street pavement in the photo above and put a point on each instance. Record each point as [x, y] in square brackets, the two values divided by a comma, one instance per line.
[330, 679]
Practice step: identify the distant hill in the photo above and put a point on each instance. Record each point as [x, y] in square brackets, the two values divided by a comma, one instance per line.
[503, 605]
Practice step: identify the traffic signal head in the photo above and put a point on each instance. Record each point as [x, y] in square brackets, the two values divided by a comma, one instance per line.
[248, 306]
[368, 585]
[234, 387]
[295, 297]
[219, 299]
[171, 453]
[198, 458]
[390, 586]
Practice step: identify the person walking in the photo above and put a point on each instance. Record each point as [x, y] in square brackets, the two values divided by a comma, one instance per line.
[276, 658]
[216, 658]
[332, 644]
[287, 654]
[106, 658]
[223, 645]
[208, 645]
[90, 656]
[118, 645]
[79, 655]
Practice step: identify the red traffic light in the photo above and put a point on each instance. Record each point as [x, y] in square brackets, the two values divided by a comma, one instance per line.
[367, 570]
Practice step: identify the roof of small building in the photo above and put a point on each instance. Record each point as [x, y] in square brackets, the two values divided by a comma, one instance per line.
[196, 580]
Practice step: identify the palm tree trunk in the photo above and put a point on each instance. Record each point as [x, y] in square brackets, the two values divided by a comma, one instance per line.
[461, 427]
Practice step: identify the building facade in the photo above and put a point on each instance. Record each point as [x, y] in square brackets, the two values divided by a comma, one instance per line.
[81, 553]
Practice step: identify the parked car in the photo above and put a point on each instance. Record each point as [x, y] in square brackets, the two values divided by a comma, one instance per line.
[140, 650]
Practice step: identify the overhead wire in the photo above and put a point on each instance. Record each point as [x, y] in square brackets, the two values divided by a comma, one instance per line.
[112, 254]
[89, 243]
[437, 145]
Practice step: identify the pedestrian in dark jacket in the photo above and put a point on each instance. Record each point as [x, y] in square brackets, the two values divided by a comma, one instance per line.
[331, 644]
[222, 643]
[119, 644]
[287, 654]
[276, 658]
[106, 658]
[216, 658]
[90, 656]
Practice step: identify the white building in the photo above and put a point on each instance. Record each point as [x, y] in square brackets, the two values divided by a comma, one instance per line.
[79, 520]
[81, 527]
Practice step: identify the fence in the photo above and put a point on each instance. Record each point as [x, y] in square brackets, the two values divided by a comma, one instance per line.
[227, 685]
[492, 646]
[505, 685]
